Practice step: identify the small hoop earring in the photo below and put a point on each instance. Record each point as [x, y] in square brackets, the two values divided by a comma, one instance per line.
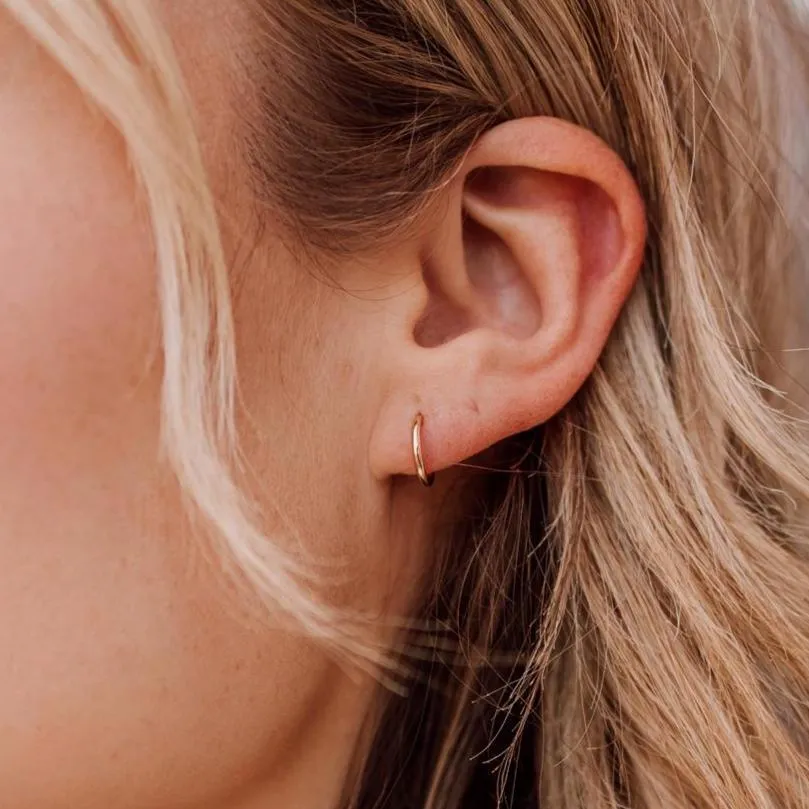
[421, 470]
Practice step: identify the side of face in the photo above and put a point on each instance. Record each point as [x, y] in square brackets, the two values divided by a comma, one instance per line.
[127, 677]
[129, 667]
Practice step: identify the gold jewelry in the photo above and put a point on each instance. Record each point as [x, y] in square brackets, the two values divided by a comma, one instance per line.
[418, 457]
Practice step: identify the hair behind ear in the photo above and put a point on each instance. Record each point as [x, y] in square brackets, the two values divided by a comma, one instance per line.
[670, 617]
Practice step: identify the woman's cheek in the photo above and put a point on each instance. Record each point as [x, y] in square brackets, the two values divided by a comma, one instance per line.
[100, 619]
[77, 288]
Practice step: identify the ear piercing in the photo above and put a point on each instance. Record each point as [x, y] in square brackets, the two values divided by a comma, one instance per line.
[418, 457]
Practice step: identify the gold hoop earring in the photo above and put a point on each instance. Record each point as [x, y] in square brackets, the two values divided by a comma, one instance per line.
[421, 470]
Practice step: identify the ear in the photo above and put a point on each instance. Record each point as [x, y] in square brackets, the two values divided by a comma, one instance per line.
[540, 239]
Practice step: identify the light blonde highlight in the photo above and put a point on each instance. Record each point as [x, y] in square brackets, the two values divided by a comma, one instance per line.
[120, 55]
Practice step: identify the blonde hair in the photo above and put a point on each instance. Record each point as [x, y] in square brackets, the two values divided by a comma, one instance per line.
[633, 598]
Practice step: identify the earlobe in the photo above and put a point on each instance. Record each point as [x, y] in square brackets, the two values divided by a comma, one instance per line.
[544, 233]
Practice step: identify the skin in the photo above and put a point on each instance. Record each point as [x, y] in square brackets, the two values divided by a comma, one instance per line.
[129, 677]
